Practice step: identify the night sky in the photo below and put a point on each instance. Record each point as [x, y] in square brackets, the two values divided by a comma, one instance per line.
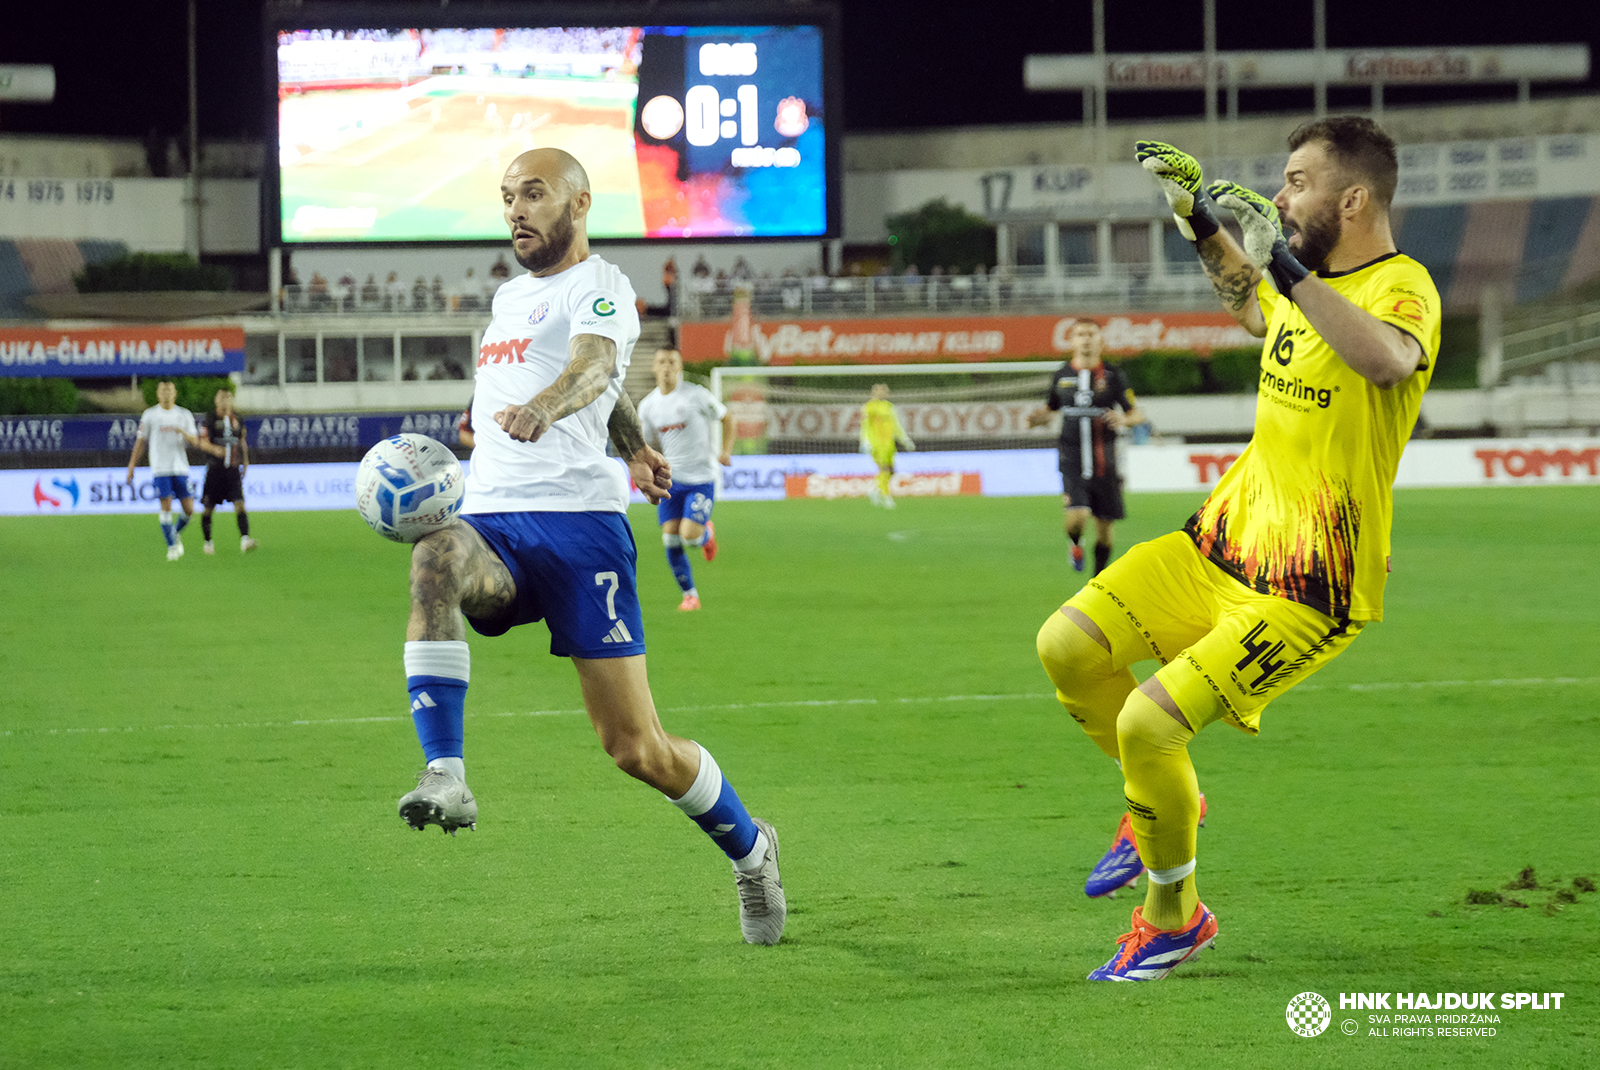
[121, 67]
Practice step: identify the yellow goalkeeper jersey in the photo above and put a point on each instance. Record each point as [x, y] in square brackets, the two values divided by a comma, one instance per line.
[880, 424]
[1305, 511]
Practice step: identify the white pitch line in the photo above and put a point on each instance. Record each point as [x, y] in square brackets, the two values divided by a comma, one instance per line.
[1417, 685]
[816, 703]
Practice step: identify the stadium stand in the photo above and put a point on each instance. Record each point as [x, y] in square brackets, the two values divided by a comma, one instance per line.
[44, 266]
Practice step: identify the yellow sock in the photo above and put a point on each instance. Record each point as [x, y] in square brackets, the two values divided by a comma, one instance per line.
[883, 481]
[1086, 683]
[1164, 805]
[1170, 906]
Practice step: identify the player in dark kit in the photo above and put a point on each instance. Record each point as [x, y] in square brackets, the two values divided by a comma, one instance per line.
[1095, 403]
[222, 437]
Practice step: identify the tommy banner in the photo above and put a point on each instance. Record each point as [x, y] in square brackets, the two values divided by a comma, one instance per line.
[116, 352]
[912, 340]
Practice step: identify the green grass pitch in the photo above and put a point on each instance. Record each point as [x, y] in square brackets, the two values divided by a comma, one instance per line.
[203, 866]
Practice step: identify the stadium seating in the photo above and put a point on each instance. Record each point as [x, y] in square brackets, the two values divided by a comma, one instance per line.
[44, 266]
[1541, 246]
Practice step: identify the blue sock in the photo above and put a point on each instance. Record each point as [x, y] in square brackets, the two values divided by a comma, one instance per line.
[168, 532]
[183, 522]
[713, 805]
[678, 561]
[437, 674]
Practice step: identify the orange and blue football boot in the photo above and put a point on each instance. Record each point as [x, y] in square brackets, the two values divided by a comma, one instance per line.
[1149, 954]
[1120, 866]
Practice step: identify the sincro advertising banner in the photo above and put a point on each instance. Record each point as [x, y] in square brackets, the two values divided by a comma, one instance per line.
[1462, 462]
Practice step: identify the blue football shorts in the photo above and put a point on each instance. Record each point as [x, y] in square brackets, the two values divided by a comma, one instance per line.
[574, 571]
[689, 501]
[171, 487]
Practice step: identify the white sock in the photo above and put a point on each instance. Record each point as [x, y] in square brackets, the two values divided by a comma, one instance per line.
[456, 767]
[757, 855]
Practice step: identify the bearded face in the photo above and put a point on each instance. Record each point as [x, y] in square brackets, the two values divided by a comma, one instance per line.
[551, 245]
[1316, 234]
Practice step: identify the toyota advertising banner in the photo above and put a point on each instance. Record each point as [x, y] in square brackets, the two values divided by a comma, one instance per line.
[116, 352]
[991, 473]
[910, 340]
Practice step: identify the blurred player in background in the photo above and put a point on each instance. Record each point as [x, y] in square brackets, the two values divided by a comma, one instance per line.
[464, 433]
[678, 418]
[1285, 562]
[881, 433]
[1095, 403]
[222, 437]
[544, 534]
[164, 429]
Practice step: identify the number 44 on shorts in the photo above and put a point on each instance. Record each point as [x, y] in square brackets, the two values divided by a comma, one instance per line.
[1261, 650]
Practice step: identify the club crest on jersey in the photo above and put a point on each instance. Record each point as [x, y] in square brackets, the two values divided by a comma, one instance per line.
[603, 307]
[540, 312]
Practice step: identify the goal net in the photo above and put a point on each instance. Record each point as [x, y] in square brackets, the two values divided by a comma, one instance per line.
[808, 409]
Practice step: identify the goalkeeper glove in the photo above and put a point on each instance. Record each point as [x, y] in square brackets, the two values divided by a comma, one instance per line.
[1179, 176]
[1264, 243]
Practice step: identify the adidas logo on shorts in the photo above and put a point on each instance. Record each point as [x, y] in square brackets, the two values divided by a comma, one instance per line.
[619, 634]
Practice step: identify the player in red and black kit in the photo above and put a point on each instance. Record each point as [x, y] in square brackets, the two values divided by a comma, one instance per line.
[222, 437]
[1095, 403]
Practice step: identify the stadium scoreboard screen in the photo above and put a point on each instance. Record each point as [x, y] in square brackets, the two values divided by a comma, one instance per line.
[393, 127]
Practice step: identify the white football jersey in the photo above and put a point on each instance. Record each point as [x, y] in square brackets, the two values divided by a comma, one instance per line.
[524, 349]
[169, 455]
[680, 424]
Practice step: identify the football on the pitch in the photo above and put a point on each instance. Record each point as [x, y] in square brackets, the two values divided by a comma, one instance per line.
[408, 486]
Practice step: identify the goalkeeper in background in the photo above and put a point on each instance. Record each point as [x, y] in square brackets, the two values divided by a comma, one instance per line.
[1285, 562]
[881, 433]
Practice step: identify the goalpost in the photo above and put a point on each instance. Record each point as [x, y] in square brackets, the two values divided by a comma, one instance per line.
[817, 409]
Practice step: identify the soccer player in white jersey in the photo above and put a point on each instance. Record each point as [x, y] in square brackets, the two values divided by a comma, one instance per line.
[544, 533]
[677, 418]
[164, 429]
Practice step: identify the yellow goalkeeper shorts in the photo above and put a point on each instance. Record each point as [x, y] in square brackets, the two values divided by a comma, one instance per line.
[1225, 650]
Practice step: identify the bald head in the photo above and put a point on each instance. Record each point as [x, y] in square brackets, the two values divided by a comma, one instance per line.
[545, 193]
[555, 166]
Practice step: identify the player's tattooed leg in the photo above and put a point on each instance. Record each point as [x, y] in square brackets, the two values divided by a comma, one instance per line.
[451, 571]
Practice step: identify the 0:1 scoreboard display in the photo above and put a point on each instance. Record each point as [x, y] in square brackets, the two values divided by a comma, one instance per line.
[403, 135]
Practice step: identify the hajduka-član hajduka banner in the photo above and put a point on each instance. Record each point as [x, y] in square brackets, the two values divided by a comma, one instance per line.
[910, 340]
[115, 352]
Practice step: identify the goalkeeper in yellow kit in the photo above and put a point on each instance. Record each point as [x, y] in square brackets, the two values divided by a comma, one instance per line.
[1285, 563]
[881, 433]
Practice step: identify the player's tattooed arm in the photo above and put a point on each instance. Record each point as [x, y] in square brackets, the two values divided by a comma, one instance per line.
[627, 434]
[1234, 279]
[454, 570]
[649, 470]
[590, 363]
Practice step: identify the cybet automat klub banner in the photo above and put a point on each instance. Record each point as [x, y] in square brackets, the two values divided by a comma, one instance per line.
[911, 340]
[116, 352]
